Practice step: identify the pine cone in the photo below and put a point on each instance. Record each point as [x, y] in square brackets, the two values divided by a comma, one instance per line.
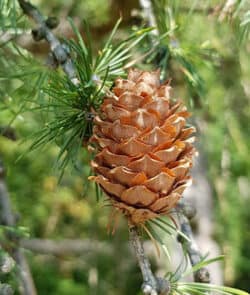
[144, 147]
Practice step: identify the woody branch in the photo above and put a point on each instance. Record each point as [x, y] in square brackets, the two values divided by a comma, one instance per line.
[60, 53]
[151, 285]
[185, 213]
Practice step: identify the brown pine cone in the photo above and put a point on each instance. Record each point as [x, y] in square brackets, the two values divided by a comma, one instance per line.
[144, 147]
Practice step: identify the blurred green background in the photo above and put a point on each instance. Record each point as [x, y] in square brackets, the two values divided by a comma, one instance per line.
[68, 210]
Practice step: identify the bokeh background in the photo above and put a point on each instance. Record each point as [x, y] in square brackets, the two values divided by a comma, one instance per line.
[215, 84]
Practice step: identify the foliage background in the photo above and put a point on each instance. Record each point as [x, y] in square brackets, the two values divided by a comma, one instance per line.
[220, 91]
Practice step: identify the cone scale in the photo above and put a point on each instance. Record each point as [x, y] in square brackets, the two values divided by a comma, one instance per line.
[144, 148]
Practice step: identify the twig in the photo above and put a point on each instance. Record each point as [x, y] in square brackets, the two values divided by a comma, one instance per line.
[149, 281]
[7, 218]
[186, 212]
[59, 50]
[151, 285]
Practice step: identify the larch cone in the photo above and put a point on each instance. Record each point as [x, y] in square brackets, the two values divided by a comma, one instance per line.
[144, 148]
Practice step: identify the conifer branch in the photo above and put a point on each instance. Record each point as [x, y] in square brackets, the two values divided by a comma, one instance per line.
[59, 50]
[185, 213]
[7, 218]
[151, 285]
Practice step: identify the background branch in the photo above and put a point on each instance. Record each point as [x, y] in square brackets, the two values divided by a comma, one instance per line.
[7, 218]
[6, 265]
[6, 289]
[65, 246]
